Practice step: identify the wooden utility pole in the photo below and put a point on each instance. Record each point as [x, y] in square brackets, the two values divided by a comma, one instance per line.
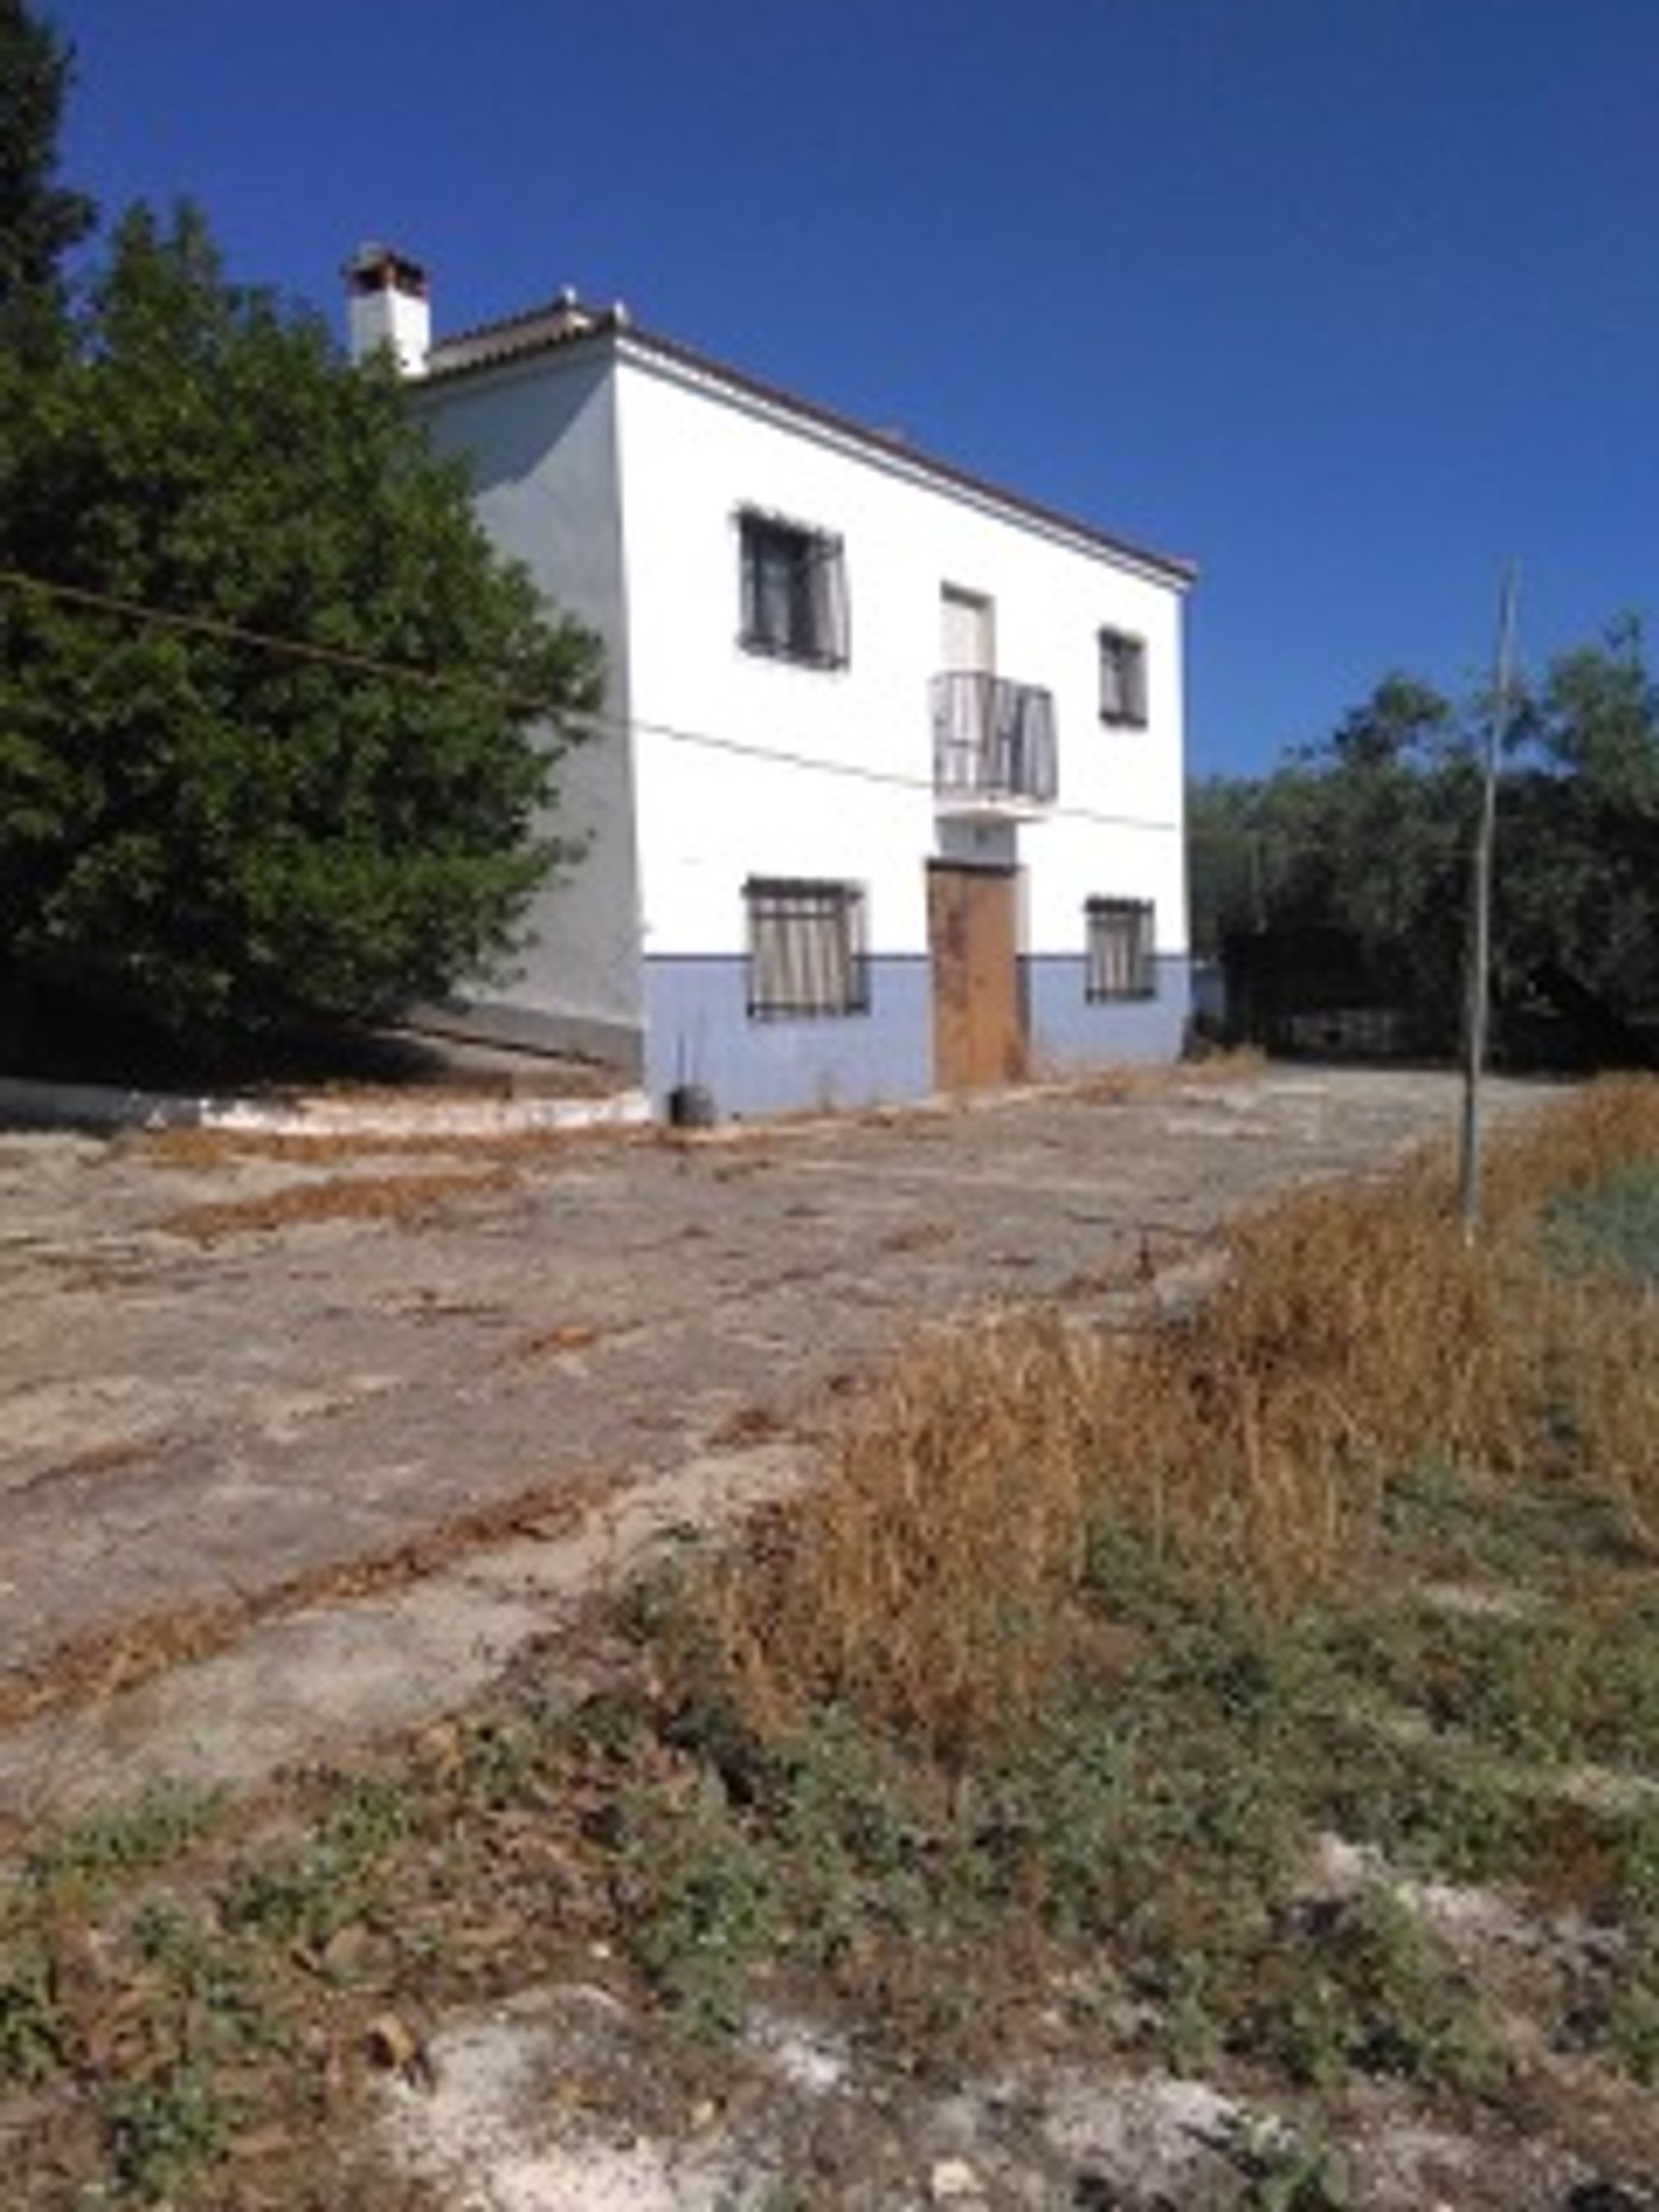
[1480, 917]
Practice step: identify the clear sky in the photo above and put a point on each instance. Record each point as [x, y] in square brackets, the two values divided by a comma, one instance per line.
[1351, 301]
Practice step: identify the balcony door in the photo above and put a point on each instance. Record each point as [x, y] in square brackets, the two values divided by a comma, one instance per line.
[967, 630]
[979, 1007]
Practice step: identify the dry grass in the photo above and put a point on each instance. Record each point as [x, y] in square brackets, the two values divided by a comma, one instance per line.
[917, 1237]
[886, 1586]
[560, 1337]
[115, 1456]
[91, 1669]
[205, 1151]
[1592, 1133]
[746, 1425]
[335, 1198]
[1113, 1086]
[934, 1581]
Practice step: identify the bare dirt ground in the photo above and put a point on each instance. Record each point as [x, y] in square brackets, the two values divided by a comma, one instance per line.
[301, 1447]
[294, 1447]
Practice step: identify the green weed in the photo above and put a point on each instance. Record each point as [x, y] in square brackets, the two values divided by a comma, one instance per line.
[1287, 2172]
[111, 1848]
[699, 1900]
[31, 2036]
[1614, 1223]
[162, 2130]
[310, 1894]
[1358, 1986]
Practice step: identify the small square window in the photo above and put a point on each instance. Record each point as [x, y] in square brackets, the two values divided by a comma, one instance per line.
[1122, 679]
[806, 948]
[794, 587]
[1119, 949]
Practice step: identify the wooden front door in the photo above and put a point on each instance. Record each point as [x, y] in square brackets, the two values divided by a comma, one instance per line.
[979, 1013]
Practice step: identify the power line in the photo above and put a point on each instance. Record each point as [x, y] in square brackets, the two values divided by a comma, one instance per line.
[84, 598]
[239, 634]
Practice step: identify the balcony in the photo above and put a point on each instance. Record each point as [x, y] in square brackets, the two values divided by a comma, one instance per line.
[994, 752]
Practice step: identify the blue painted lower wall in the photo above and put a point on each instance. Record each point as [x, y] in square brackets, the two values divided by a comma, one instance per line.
[1068, 1031]
[698, 1031]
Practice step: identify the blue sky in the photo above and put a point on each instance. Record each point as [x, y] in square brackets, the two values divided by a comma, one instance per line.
[1352, 300]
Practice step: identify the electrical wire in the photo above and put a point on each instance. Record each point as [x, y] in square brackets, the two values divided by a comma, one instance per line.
[87, 600]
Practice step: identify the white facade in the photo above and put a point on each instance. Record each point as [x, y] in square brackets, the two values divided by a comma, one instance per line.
[669, 502]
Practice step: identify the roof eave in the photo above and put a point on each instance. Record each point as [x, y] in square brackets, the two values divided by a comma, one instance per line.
[609, 327]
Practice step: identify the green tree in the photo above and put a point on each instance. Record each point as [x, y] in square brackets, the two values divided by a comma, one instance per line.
[1578, 881]
[1366, 838]
[1359, 837]
[225, 837]
[39, 219]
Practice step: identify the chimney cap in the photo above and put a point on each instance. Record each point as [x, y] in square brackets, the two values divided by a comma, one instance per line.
[377, 268]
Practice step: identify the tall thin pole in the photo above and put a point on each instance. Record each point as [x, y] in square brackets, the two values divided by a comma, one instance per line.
[1480, 933]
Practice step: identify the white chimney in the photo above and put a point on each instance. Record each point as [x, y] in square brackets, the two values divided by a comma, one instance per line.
[387, 304]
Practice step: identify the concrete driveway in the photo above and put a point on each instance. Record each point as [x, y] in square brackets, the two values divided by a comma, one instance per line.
[245, 1384]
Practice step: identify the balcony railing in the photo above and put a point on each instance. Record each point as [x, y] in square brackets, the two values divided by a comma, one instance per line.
[994, 749]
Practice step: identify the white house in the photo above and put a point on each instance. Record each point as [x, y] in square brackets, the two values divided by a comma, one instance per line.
[887, 798]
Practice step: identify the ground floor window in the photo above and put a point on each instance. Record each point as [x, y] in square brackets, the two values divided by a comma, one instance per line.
[1119, 940]
[806, 947]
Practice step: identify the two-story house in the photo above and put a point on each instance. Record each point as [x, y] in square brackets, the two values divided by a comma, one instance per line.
[887, 794]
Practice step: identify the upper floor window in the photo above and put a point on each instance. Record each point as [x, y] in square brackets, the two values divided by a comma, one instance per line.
[1122, 679]
[794, 591]
[806, 947]
[1119, 964]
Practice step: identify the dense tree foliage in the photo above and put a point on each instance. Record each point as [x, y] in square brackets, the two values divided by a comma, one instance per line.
[1366, 838]
[39, 219]
[228, 835]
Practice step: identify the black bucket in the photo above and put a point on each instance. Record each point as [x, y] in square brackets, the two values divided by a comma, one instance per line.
[691, 1107]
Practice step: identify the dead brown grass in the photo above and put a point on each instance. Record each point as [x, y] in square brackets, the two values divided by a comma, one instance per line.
[1594, 1131]
[931, 1580]
[1112, 1086]
[115, 1456]
[89, 1669]
[204, 1151]
[754, 1423]
[914, 1583]
[335, 1198]
[559, 1337]
[917, 1237]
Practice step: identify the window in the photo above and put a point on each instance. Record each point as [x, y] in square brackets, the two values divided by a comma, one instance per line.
[794, 592]
[1122, 679]
[806, 948]
[1119, 950]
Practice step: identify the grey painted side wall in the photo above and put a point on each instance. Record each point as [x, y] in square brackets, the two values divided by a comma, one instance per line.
[542, 448]
[698, 1031]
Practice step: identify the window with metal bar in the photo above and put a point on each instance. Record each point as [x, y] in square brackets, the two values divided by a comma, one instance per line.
[1122, 679]
[794, 591]
[806, 948]
[1120, 949]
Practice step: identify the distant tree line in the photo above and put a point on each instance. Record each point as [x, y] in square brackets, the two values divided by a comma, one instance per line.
[1347, 871]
